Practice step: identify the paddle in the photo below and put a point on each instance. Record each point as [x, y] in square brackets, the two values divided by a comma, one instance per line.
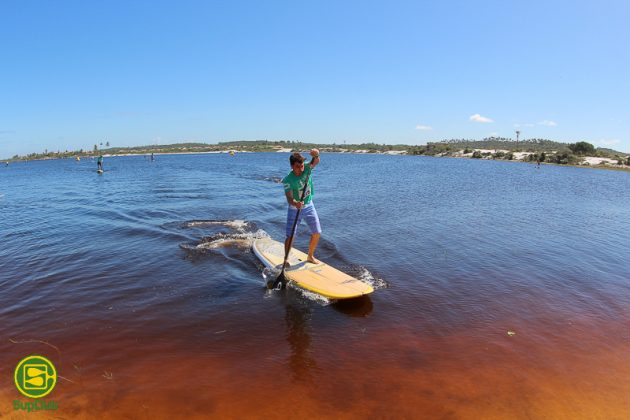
[281, 278]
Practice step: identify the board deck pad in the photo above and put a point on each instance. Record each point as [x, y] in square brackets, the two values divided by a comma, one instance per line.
[319, 278]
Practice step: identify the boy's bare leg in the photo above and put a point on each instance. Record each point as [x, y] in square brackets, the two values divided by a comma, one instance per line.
[311, 248]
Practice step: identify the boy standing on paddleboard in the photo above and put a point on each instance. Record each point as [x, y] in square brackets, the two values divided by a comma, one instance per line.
[293, 185]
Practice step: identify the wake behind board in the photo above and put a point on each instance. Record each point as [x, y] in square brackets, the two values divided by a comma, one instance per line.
[100, 171]
[319, 278]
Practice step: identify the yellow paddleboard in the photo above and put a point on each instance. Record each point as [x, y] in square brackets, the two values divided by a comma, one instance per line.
[319, 278]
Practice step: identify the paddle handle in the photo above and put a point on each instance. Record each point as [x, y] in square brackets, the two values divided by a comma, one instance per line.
[297, 217]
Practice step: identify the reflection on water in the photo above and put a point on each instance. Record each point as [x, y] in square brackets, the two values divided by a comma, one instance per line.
[301, 361]
[298, 317]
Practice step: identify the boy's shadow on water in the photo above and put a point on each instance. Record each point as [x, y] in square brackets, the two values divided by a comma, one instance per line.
[298, 317]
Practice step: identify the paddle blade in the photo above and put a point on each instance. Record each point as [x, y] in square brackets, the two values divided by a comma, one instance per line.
[279, 281]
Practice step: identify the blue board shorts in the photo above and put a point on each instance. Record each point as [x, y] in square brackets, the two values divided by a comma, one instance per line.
[309, 214]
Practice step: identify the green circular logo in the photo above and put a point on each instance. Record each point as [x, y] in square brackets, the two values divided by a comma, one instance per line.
[35, 376]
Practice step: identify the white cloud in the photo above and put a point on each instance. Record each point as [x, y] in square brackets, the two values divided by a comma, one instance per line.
[478, 118]
[548, 123]
[423, 127]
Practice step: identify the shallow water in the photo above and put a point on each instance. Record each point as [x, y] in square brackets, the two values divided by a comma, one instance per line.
[140, 286]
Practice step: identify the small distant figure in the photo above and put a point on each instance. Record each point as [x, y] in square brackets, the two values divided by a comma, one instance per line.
[99, 163]
[537, 163]
[152, 158]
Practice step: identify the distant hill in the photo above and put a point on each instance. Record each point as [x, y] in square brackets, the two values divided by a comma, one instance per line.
[444, 148]
[527, 145]
[500, 143]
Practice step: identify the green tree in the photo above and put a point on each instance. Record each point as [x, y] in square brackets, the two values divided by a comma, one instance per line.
[565, 158]
[582, 148]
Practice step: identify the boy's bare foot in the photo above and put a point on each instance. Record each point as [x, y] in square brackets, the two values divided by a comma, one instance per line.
[312, 260]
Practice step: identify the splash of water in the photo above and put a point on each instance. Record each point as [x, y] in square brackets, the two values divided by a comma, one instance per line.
[312, 296]
[374, 281]
[273, 273]
[237, 224]
[227, 240]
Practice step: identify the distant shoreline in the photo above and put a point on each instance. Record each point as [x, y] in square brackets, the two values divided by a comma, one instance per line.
[593, 162]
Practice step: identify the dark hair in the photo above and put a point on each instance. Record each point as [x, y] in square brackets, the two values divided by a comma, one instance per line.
[296, 157]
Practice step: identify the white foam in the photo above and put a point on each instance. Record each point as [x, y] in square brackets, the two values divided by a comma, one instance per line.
[270, 273]
[307, 294]
[237, 224]
[366, 276]
[240, 240]
[225, 243]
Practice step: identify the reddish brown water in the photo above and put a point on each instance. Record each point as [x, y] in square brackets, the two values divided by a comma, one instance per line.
[285, 367]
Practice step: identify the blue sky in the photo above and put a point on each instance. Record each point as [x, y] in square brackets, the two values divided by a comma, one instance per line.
[76, 73]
